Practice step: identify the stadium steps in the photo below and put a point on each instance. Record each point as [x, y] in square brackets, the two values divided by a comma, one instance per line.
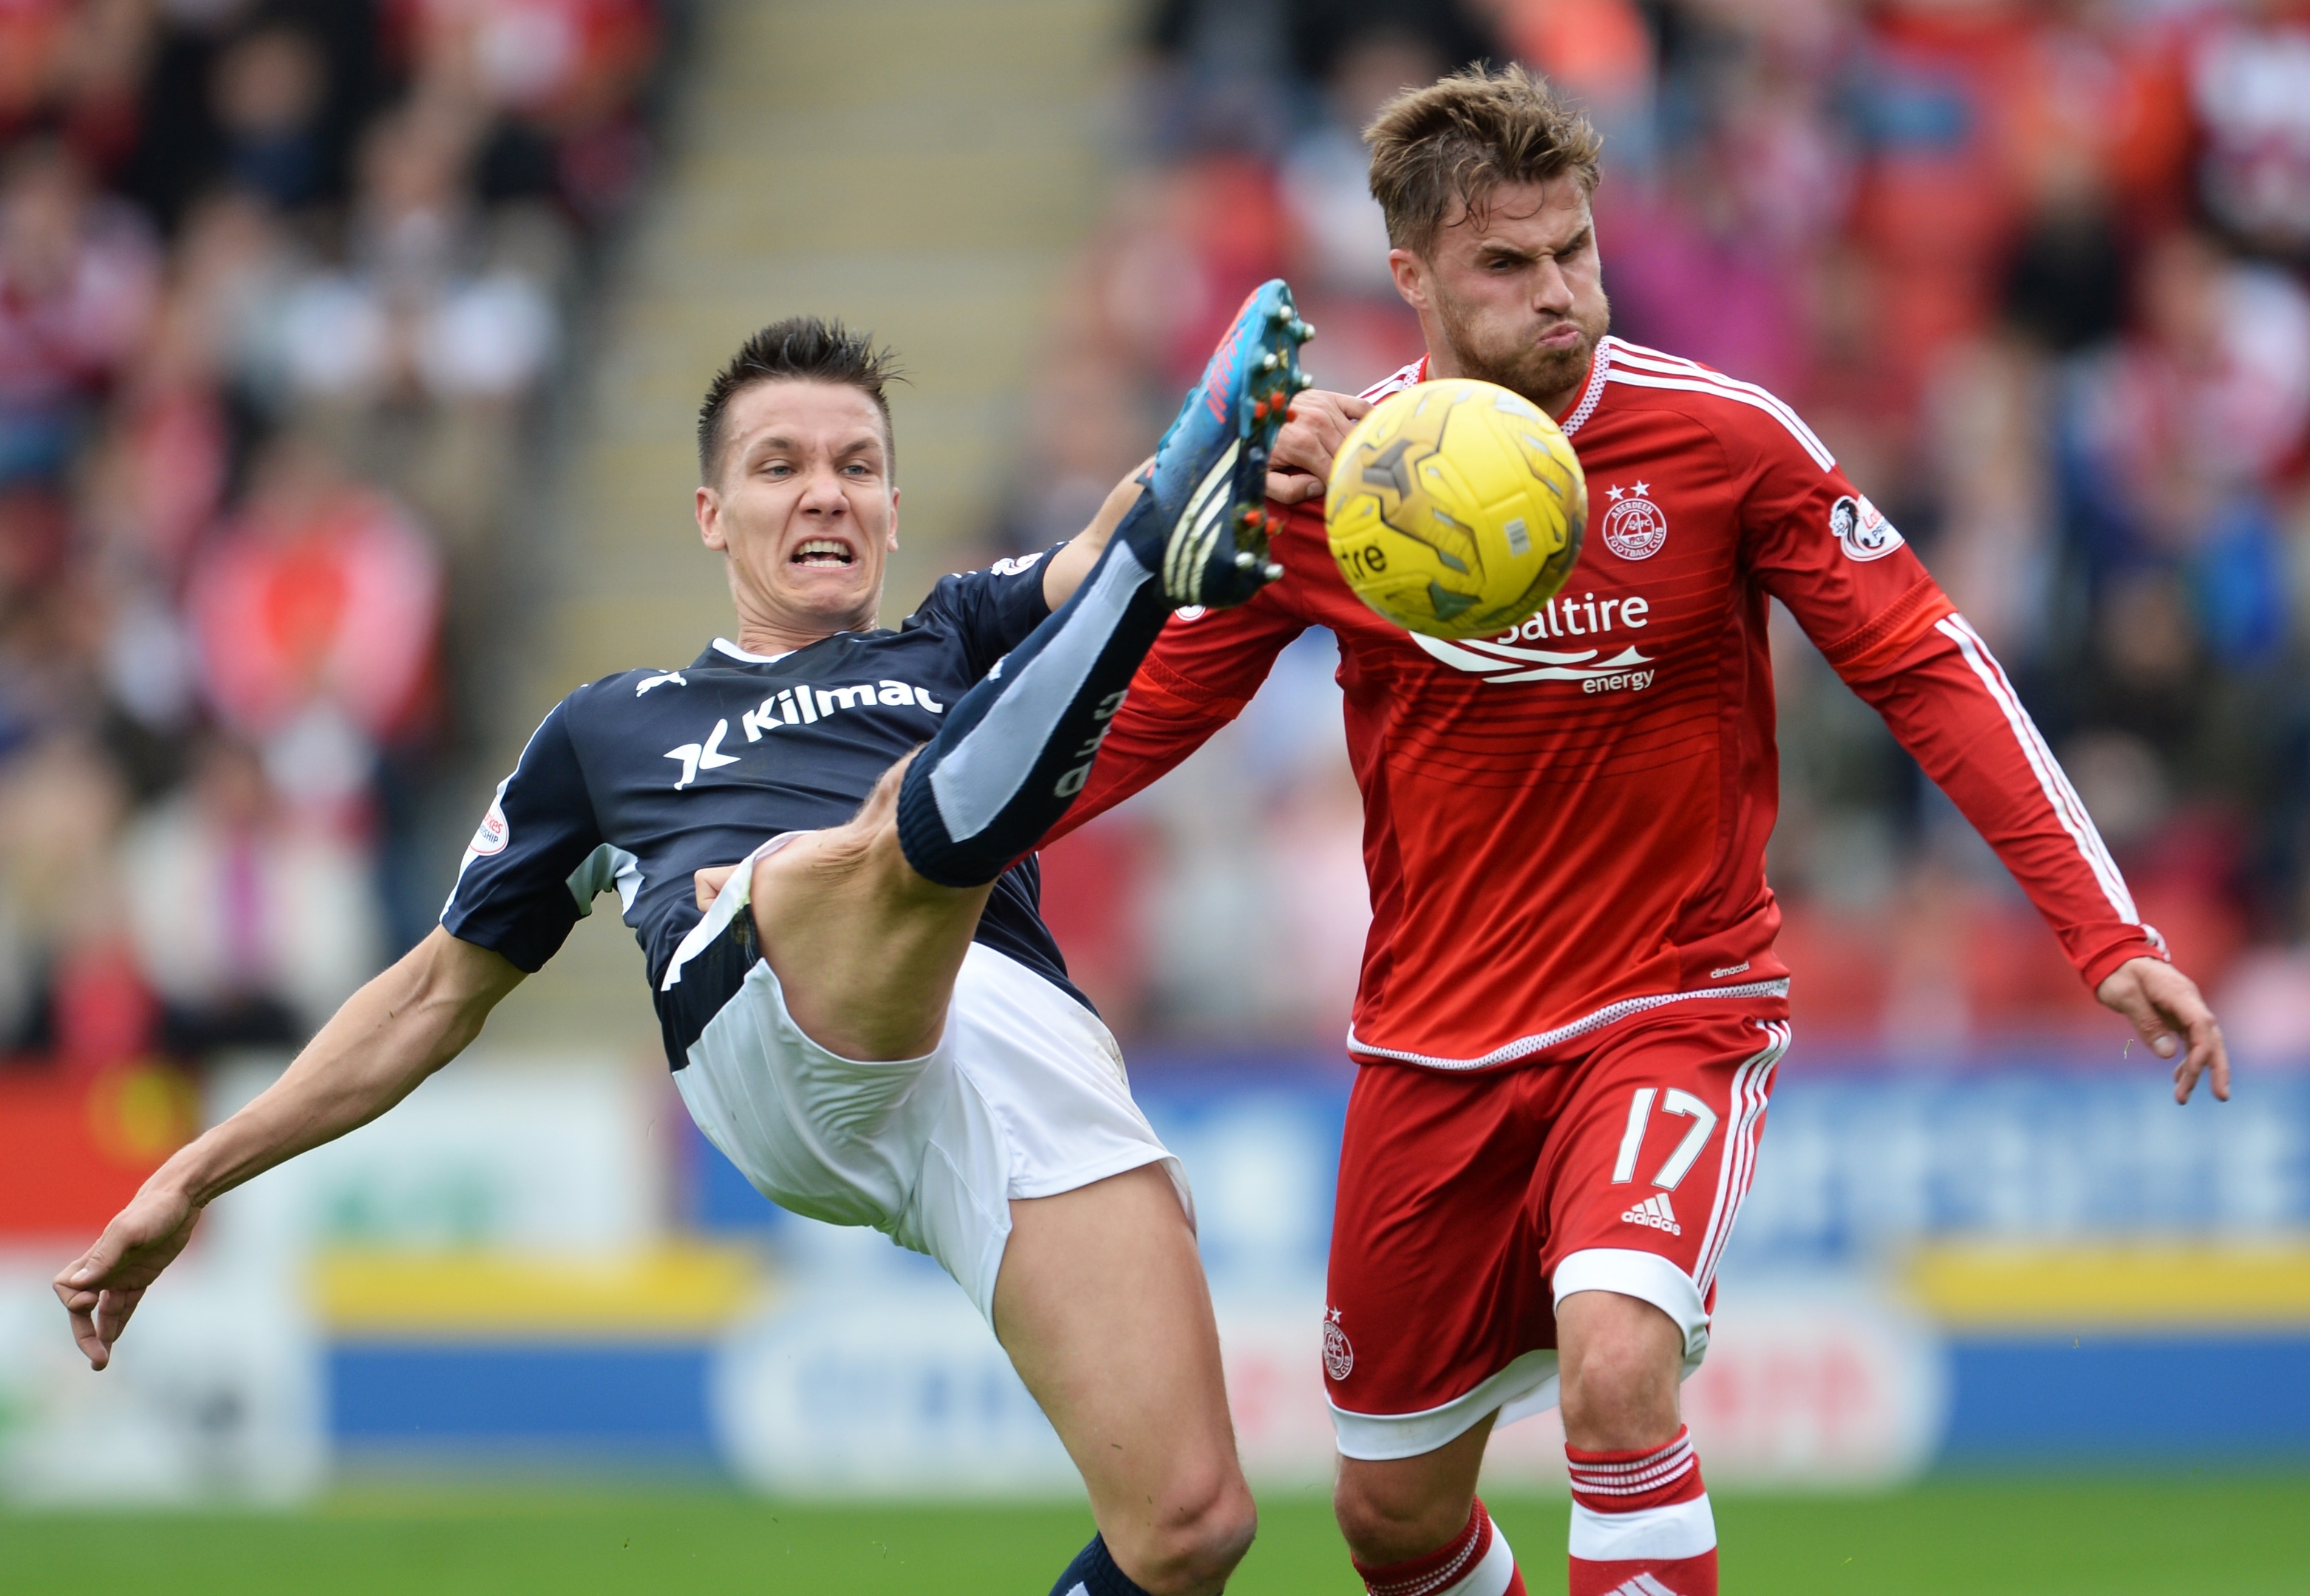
[918, 167]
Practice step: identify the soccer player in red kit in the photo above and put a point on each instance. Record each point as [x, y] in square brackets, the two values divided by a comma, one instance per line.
[1570, 1008]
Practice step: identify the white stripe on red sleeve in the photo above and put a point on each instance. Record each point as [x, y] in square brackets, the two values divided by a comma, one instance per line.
[2052, 782]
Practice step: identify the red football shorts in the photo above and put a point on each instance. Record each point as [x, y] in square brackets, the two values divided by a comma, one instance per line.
[1469, 1205]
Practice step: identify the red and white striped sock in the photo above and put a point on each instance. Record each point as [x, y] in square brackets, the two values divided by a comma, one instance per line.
[1640, 1523]
[1477, 1562]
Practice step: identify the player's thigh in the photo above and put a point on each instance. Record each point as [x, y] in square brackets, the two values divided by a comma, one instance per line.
[1649, 1158]
[858, 870]
[1434, 1286]
[866, 950]
[1101, 1304]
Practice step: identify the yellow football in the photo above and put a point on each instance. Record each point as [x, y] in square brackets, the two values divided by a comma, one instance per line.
[1455, 509]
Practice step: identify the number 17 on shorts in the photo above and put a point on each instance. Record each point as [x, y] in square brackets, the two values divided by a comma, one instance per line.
[1683, 1156]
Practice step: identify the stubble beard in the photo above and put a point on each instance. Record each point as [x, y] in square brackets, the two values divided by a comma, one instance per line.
[1547, 377]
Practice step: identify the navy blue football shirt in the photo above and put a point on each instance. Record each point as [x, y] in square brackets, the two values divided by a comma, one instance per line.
[634, 782]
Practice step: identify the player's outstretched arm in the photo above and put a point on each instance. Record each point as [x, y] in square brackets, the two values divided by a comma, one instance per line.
[387, 1039]
[2163, 1004]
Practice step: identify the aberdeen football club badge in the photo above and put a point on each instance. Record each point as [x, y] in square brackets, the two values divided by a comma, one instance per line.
[1634, 527]
[1339, 1357]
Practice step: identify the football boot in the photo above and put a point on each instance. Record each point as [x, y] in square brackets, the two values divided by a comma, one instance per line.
[1204, 518]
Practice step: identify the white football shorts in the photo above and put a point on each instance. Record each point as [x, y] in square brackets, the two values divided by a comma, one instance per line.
[1025, 1095]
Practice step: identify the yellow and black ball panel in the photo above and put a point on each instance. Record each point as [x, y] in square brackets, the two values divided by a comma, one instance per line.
[1455, 509]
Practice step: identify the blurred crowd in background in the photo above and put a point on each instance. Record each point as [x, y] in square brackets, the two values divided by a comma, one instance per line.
[2036, 270]
[282, 283]
[280, 287]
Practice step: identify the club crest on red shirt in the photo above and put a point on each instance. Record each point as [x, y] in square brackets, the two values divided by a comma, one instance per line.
[1634, 528]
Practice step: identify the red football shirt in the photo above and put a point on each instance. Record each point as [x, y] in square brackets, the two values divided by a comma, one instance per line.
[1566, 825]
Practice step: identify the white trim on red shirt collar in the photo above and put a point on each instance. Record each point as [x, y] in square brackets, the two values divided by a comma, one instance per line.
[1592, 395]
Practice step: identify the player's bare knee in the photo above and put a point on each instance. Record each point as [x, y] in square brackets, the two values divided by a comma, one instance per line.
[1392, 1516]
[1622, 1362]
[1201, 1526]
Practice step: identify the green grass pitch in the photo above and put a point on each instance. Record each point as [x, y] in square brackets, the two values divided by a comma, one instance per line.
[2237, 1535]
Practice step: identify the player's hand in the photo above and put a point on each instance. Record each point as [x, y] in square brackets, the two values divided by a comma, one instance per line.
[2164, 1005]
[102, 1287]
[1300, 463]
[708, 884]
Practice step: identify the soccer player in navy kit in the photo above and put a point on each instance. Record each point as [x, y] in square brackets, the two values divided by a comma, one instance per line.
[866, 1013]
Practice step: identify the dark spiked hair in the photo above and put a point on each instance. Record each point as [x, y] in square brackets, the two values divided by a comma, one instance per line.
[805, 348]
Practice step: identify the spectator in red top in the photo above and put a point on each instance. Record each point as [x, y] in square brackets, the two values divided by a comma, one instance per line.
[314, 615]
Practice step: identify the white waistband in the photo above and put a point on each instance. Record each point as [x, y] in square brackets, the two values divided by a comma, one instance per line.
[1525, 1046]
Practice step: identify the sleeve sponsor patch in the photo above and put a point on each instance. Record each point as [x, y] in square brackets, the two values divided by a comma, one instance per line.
[490, 838]
[1861, 529]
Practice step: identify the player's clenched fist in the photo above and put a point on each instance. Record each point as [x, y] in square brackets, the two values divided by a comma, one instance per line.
[102, 1287]
[1300, 463]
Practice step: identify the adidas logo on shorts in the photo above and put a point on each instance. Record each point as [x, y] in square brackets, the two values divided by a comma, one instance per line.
[1655, 1212]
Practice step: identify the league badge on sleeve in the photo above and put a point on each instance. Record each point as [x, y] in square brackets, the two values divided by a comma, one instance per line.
[490, 838]
[1861, 529]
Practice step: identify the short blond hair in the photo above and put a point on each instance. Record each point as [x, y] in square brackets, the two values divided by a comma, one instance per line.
[1463, 136]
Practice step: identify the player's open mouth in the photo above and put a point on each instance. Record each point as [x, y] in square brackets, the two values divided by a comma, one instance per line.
[823, 554]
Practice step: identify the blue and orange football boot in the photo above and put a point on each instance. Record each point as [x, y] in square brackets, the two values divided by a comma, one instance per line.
[1201, 525]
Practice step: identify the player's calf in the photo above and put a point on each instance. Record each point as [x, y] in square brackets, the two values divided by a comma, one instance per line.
[1475, 1561]
[1641, 1522]
[1193, 1537]
[1101, 1304]
[1015, 751]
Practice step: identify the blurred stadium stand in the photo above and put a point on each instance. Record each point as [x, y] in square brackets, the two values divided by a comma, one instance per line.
[348, 354]
[931, 190]
[286, 291]
[2034, 270]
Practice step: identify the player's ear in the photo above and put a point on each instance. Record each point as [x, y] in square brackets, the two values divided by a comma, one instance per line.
[709, 511]
[890, 536]
[1411, 274]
